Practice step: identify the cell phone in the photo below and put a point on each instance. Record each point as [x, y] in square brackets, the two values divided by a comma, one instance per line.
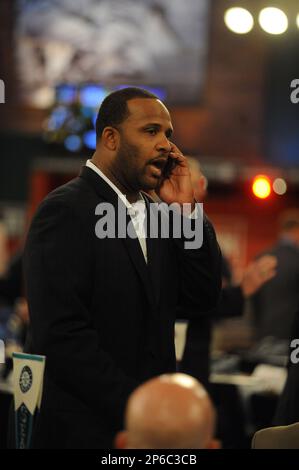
[171, 163]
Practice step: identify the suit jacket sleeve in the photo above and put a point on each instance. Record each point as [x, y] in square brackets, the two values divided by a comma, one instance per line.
[231, 303]
[59, 279]
[200, 274]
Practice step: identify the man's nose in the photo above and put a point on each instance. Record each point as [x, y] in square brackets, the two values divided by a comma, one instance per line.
[164, 145]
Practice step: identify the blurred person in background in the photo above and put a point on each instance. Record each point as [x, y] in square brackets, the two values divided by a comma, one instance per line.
[196, 356]
[275, 304]
[172, 411]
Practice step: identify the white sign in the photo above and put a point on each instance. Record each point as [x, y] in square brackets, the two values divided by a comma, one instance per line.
[2, 352]
[2, 92]
[28, 374]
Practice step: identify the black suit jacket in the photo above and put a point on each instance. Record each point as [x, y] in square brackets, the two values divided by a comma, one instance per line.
[101, 315]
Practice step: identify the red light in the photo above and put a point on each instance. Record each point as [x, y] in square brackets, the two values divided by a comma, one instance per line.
[261, 187]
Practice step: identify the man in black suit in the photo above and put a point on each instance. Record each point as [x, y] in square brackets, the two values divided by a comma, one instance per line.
[102, 310]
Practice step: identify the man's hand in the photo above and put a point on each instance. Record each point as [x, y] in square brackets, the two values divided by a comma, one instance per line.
[257, 273]
[176, 186]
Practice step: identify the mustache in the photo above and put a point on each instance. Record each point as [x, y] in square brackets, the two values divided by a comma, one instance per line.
[159, 159]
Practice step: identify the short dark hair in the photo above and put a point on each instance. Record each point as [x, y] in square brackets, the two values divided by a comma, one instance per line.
[114, 110]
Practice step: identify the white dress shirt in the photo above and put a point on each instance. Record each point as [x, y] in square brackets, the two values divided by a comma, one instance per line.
[137, 210]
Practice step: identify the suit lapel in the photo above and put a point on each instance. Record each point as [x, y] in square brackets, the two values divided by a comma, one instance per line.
[137, 258]
[154, 256]
[132, 244]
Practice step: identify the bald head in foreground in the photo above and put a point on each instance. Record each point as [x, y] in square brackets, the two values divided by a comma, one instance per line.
[172, 411]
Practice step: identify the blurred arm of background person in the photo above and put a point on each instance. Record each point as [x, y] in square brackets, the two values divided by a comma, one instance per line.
[172, 411]
[257, 273]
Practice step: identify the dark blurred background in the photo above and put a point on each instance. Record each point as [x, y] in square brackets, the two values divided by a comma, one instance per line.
[229, 95]
[231, 109]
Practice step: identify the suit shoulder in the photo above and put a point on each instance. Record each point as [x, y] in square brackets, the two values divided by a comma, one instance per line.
[73, 191]
[74, 196]
[65, 212]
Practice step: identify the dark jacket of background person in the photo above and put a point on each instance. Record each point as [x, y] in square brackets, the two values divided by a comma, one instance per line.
[196, 356]
[196, 362]
[276, 302]
[288, 405]
[102, 317]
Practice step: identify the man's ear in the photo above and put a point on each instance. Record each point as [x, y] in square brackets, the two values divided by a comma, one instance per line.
[110, 138]
[121, 440]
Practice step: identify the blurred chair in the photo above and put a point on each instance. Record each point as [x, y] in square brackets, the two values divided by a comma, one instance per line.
[277, 437]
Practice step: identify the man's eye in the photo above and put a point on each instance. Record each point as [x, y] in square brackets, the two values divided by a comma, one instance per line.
[152, 131]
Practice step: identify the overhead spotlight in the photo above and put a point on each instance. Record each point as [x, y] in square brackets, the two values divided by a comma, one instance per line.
[273, 20]
[261, 187]
[238, 20]
[279, 186]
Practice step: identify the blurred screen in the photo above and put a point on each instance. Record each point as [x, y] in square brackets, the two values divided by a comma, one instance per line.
[72, 117]
[156, 43]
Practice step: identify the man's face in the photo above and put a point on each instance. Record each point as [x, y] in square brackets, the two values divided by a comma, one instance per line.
[144, 144]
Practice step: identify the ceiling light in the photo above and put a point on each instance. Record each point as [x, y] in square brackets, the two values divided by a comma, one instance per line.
[273, 20]
[238, 20]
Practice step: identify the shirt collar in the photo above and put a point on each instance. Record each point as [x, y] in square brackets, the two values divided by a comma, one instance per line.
[122, 196]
